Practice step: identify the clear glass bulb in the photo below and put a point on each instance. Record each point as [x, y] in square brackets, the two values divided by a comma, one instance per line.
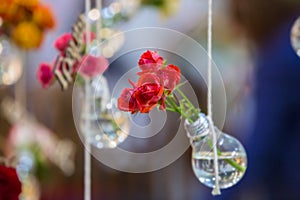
[295, 36]
[232, 158]
[104, 129]
[10, 63]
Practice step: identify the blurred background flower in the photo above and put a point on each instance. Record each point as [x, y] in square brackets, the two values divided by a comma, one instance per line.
[10, 184]
[25, 22]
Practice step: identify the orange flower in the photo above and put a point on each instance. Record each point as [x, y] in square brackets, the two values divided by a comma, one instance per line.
[8, 10]
[27, 3]
[43, 17]
[27, 35]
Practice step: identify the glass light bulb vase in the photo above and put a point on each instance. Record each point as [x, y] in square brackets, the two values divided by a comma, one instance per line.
[232, 158]
[99, 123]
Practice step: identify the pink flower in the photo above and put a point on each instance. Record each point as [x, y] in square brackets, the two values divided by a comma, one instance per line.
[61, 43]
[91, 66]
[45, 75]
[150, 61]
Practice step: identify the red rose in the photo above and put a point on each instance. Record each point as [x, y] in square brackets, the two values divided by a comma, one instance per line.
[170, 76]
[147, 96]
[148, 78]
[156, 80]
[10, 185]
[127, 102]
[91, 66]
[45, 75]
[150, 61]
[61, 43]
[152, 78]
[162, 103]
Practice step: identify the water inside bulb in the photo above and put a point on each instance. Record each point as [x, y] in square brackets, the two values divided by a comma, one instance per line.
[232, 158]
[232, 162]
[10, 63]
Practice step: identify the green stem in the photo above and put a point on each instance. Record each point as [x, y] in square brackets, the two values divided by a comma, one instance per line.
[235, 165]
[178, 109]
[171, 109]
[169, 104]
[229, 161]
[172, 102]
[187, 100]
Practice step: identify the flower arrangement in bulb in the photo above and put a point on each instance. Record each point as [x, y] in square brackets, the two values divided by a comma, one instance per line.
[155, 89]
[25, 22]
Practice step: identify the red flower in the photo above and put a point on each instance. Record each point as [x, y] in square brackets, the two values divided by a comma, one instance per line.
[156, 80]
[148, 78]
[91, 66]
[61, 43]
[127, 102]
[170, 76]
[45, 75]
[144, 96]
[147, 96]
[10, 185]
[150, 61]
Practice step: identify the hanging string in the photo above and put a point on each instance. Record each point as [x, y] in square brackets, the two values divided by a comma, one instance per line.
[87, 156]
[99, 22]
[216, 190]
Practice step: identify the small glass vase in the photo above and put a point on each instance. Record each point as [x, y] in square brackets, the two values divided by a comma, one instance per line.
[232, 158]
[99, 122]
[11, 67]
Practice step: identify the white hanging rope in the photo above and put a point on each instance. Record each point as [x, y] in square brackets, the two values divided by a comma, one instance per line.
[87, 26]
[88, 96]
[216, 190]
[99, 21]
[87, 156]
